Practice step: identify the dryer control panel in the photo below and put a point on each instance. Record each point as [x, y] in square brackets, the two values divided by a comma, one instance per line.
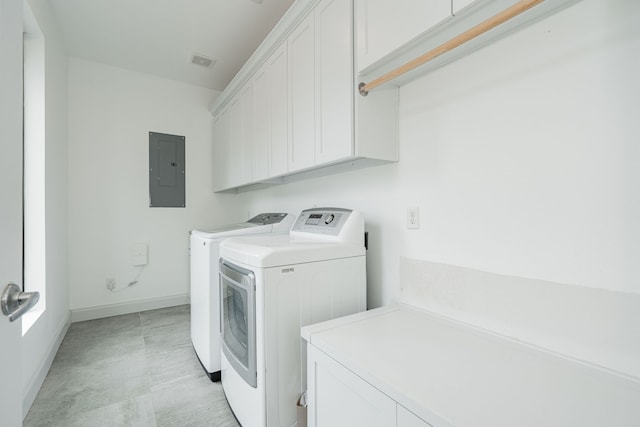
[324, 221]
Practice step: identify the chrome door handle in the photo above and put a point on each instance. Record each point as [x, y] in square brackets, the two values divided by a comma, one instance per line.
[15, 303]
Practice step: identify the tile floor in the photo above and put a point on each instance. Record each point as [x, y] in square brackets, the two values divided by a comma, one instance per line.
[131, 370]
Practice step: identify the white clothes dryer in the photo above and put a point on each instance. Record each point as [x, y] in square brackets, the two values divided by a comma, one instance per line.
[272, 286]
[205, 289]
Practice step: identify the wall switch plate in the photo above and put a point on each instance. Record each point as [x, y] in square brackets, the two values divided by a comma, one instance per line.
[413, 217]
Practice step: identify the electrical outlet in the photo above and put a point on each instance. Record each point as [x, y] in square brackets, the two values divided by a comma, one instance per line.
[139, 254]
[111, 284]
[413, 217]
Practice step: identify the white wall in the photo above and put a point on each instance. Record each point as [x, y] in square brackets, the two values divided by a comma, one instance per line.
[111, 112]
[40, 342]
[523, 158]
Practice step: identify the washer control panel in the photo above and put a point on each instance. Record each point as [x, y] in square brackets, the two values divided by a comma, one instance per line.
[268, 218]
[327, 221]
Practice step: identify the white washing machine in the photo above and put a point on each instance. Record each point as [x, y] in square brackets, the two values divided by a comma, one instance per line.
[272, 286]
[205, 288]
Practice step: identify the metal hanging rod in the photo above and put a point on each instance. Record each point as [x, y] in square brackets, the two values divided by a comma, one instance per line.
[483, 27]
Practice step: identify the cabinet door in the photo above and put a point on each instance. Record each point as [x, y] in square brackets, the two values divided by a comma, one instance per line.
[339, 398]
[279, 111]
[245, 152]
[302, 96]
[383, 26]
[261, 123]
[221, 149]
[217, 151]
[233, 143]
[409, 419]
[334, 80]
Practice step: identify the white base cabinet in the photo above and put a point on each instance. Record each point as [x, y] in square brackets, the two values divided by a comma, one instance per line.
[339, 398]
[402, 366]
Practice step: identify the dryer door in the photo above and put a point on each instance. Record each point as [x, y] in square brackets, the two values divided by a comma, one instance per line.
[238, 312]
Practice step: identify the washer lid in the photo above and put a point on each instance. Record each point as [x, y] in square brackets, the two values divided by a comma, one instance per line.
[279, 250]
[263, 223]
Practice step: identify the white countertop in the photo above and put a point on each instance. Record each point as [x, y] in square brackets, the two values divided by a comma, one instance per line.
[451, 374]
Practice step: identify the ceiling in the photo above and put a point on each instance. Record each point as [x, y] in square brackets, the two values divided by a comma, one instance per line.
[159, 36]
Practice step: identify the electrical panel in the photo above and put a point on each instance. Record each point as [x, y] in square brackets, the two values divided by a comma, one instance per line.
[166, 170]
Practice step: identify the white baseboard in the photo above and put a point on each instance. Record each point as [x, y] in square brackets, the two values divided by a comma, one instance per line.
[34, 386]
[90, 313]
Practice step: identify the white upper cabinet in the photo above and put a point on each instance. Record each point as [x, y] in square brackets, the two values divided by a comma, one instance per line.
[279, 110]
[238, 148]
[261, 123]
[408, 419]
[294, 110]
[233, 164]
[298, 102]
[270, 116]
[301, 46]
[218, 154]
[457, 5]
[321, 87]
[221, 149]
[383, 26]
[334, 81]
[233, 142]
[246, 143]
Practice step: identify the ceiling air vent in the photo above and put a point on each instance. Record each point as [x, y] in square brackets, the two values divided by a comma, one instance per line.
[202, 60]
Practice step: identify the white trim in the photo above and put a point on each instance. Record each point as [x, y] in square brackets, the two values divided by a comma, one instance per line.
[36, 382]
[98, 312]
